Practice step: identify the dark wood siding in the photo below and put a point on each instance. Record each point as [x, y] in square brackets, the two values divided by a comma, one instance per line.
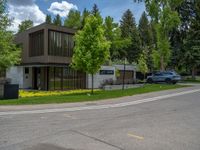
[60, 44]
[36, 46]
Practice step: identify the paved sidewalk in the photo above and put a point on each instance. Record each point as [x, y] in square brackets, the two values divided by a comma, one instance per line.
[95, 103]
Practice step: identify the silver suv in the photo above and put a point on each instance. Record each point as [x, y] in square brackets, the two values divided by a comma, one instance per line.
[165, 76]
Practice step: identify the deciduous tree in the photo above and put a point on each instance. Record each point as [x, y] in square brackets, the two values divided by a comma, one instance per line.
[91, 48]
[9, 53]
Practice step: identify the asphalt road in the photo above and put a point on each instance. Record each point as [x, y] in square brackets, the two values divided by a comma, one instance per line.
[162, 123]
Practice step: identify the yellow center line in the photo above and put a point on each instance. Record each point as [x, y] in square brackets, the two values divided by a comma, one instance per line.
[135, 136]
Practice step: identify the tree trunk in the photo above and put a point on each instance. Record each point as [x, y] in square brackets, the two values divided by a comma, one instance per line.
[92, 83]
[162, 68]
[124, 74]
[193, 73]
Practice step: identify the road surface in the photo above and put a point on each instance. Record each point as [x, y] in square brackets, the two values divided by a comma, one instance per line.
[168, 120]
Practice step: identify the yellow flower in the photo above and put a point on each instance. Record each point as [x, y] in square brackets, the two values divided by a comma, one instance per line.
[24, 93]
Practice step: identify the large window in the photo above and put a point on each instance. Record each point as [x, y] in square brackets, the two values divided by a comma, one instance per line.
[60, 44]
[36, 43]
[65, 78]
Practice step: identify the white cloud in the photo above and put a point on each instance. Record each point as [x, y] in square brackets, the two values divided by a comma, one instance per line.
[20, 13]
[62, 8]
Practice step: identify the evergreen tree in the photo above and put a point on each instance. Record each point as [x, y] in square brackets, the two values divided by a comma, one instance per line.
[146, 36]
[73, 19]
[192, 43]
[129, 30]
[179, 35]
[95, 11]
[113, 34]
[85, 14]
[48, 19]
[57, 20]
[26, 24]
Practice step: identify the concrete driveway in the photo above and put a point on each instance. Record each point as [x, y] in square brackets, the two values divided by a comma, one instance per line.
[167, 120]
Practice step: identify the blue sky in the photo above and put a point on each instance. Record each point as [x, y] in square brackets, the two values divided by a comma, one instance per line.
[37, 9]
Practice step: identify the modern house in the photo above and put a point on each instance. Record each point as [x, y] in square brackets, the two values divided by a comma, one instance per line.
[45, 61]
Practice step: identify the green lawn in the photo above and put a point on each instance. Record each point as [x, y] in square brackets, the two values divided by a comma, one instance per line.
[98, 95]
[189, 79]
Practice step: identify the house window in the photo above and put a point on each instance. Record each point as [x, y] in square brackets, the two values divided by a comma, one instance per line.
[106, 72]
[60, 44]
[26, 70]
[36, 43]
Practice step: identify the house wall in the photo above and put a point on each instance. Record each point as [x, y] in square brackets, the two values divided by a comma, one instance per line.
[27, 78]
[15, 73]
[100, 79]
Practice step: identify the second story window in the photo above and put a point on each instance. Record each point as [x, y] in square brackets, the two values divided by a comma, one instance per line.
[60, 44]
[36, 43]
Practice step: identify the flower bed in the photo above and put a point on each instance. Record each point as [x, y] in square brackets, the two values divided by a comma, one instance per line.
[24, 93]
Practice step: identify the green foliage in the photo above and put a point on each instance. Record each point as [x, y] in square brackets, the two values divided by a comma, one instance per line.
[142, 63]
[26, 24]
[192, 42]
[147, 38]
[73, 19]
[9, 53]
[165, 19]
[57, 20]
[113, 34]
[85, 14]
[130, 31]
[91, 49]
[95, 11]
[48, 19]
[127, 24]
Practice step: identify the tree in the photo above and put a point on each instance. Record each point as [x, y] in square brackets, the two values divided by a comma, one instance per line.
[48, 19]
[26, 24]
[192, 42]
[142, 63]
[85, 14]
[165, 18]
[146, 36]
[178, 35]
[95, 11]
[73, 19]
[57, 20]
[91, 49]
[113, 34]
[9, 53]
[129, 30]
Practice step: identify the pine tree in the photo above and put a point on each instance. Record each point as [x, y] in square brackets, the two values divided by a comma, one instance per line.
[129, 30]
[146, 36]
[85, 14]
[95, 11]
[192, 43]
[57, 20]
[73, 19]
[48, 19]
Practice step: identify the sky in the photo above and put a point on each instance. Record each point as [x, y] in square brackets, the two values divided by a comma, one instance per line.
[36, 10]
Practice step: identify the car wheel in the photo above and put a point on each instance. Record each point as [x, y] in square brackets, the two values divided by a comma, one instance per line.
[169, 81]
[149, 81]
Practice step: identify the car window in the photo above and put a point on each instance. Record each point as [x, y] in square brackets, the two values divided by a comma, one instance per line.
[158, 74]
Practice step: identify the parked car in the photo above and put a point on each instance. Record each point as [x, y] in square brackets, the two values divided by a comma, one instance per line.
[166, 76]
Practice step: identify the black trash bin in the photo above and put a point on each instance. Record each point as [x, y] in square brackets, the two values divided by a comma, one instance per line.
[11, 91]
